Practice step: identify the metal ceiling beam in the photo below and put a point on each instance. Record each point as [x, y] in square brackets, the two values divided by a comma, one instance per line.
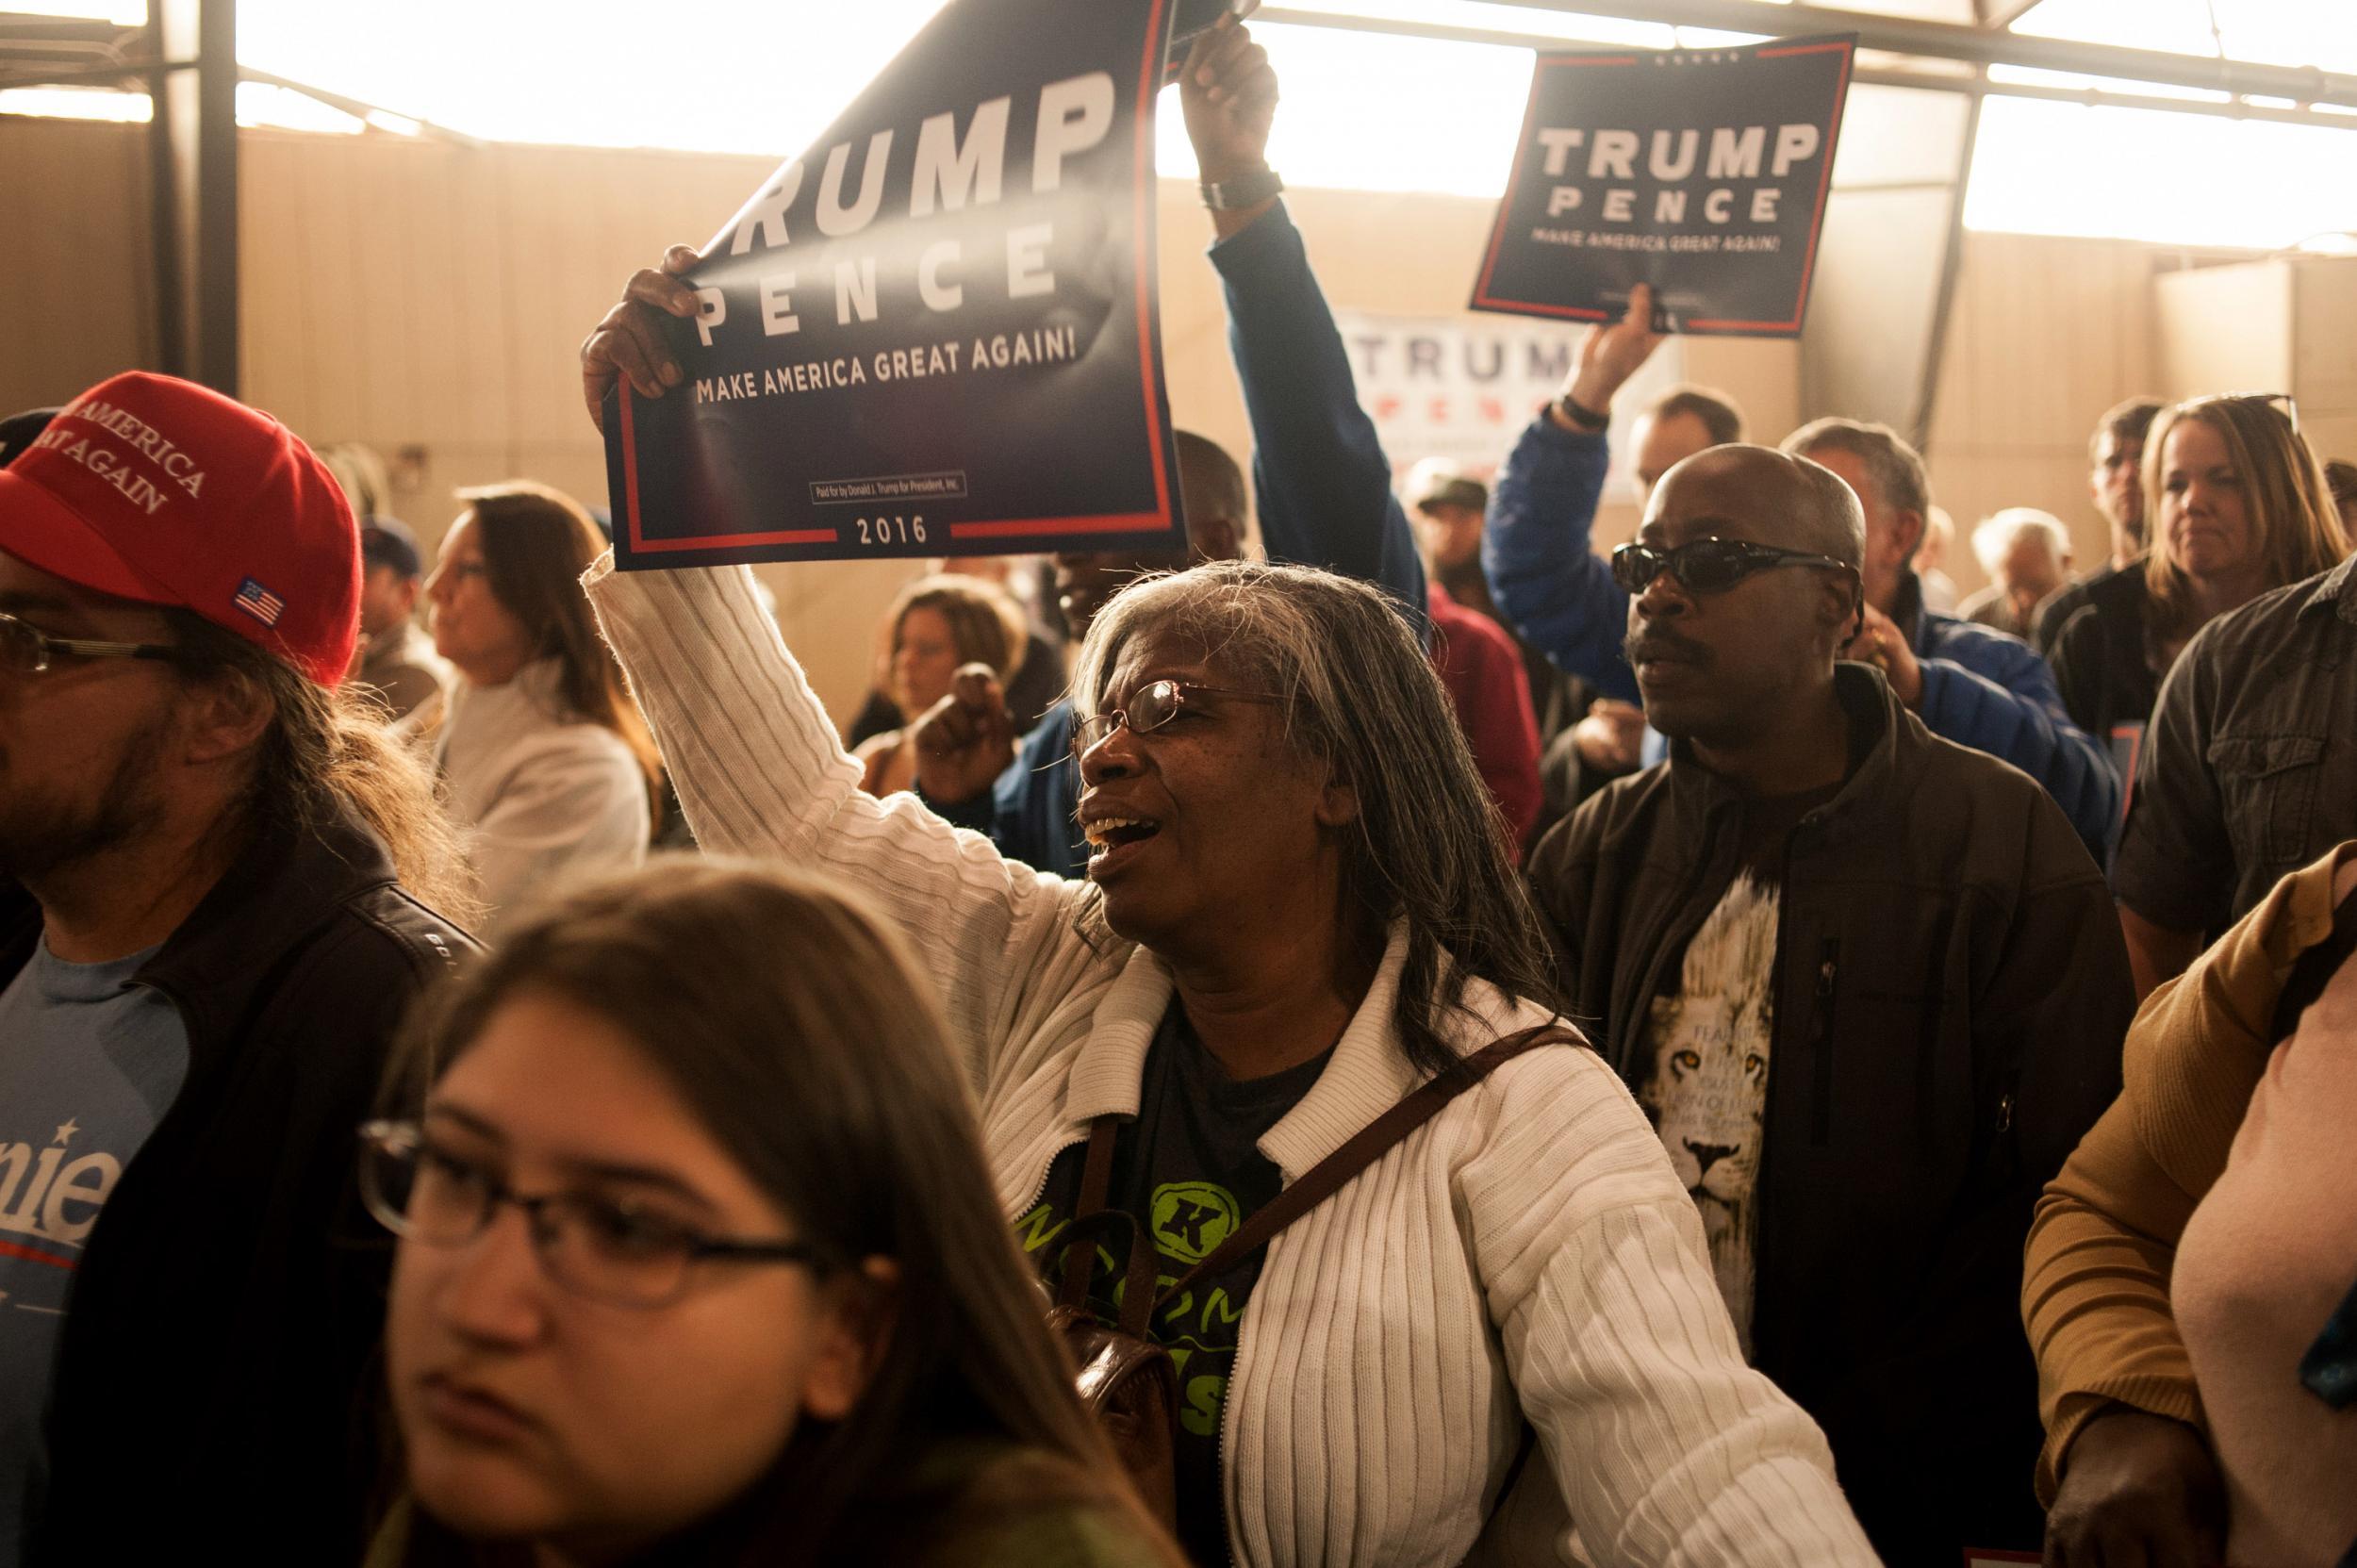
[1926, 80]
[1906, 35]
[2001, 15]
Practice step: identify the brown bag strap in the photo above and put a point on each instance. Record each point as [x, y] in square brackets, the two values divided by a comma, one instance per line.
[1370, 1144]
[1097, 1179]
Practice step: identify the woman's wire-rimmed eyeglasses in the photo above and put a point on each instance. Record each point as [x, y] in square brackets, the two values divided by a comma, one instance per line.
[1149, 708]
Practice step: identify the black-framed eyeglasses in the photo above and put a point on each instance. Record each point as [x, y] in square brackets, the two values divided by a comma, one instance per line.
[26, 650]
[608, 1249]
[1709, 566]
[1151, 706]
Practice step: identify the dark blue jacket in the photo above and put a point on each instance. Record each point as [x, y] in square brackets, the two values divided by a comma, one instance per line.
[1322, 485]
[1981, 687]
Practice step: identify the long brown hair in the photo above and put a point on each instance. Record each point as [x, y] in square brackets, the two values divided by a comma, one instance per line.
[328, 751]
[1427, 847]
[795, 1025]
[537, 542]
[2284, 494]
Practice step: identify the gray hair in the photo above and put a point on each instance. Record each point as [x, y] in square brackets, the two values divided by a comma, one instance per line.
[1428, 845]
[1896, 468]
[1995, 537]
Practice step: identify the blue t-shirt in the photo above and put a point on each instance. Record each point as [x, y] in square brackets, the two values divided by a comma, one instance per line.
[88, 1065]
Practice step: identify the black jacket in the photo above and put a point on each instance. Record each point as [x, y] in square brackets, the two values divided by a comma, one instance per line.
[2100, 657]
[1951, 995]
[224, 1319]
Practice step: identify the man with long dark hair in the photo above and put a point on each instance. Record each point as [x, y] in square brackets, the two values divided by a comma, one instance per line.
[204, 944]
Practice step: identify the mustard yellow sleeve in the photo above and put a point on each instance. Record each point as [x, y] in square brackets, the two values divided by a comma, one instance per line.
[2095, 1273]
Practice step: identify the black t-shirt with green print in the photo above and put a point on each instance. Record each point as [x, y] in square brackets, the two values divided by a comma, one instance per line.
[1189, 1168]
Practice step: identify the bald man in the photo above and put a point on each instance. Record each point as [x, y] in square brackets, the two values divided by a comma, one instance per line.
[1863, 981]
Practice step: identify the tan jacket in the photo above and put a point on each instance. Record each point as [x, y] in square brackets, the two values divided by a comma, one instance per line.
[2095, 1281]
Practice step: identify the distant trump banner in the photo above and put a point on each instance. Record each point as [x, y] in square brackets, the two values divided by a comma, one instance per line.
[936, 332]
[1701, 171]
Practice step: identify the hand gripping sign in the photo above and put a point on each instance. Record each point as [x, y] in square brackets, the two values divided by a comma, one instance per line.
[934, 333]
[1702, 172]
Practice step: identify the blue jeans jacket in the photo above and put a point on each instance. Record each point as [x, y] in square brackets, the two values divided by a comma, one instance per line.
[1981, 687]
[1323, 489]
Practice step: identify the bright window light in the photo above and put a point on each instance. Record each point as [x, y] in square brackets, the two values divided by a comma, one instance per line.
[77, 103]
[724, 76]
[2133, 173]
[1459, 140]
[123, 14]
[2322, 33]
[1500, 19]
[260, 104]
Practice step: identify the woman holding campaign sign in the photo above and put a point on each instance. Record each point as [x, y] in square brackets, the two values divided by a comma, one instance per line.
[1297, 914]
[1426, 1283]
[757, 1308]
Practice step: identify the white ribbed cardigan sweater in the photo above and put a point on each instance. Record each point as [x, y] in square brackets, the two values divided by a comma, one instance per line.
[1526, 1254]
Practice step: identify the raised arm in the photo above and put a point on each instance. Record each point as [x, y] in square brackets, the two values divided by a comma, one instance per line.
[1548, 582]
[760, 773]
[1322, 482]
[1538, 547]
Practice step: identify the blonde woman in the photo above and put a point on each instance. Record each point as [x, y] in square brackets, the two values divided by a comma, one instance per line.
[2238, 505]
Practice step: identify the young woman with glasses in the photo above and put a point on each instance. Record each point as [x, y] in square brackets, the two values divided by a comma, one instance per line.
[697, 1262]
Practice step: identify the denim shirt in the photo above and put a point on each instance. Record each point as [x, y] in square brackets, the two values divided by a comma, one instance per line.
[2250, 765]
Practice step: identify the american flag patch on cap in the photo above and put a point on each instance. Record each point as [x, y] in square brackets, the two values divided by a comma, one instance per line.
[259, 602]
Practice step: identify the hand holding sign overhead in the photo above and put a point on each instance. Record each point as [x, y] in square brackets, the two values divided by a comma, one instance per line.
[630, 342]
[1608, 355]
[1227, 92]
[933, 334]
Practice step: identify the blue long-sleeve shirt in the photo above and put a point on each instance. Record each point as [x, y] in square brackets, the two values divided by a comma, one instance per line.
[1322, 485]
[1981, 687]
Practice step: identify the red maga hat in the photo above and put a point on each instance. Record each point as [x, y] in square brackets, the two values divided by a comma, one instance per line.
[160, 491]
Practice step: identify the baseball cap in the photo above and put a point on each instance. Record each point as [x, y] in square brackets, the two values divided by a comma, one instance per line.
[386, 541]
[159, 490]
[1435, 482]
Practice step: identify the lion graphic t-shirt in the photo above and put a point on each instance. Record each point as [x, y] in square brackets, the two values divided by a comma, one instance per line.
[1191, 1170]
[1707, 1092]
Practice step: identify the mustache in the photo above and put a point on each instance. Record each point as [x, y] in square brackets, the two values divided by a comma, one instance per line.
[1657, 642]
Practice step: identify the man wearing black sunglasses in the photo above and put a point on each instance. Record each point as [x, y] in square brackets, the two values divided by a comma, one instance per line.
[1972, 685]
[1862, 979]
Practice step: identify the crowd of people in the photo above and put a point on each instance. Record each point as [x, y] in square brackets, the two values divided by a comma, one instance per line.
[1500, 1052]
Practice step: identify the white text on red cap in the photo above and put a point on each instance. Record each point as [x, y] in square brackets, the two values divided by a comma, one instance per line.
[113, 465]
